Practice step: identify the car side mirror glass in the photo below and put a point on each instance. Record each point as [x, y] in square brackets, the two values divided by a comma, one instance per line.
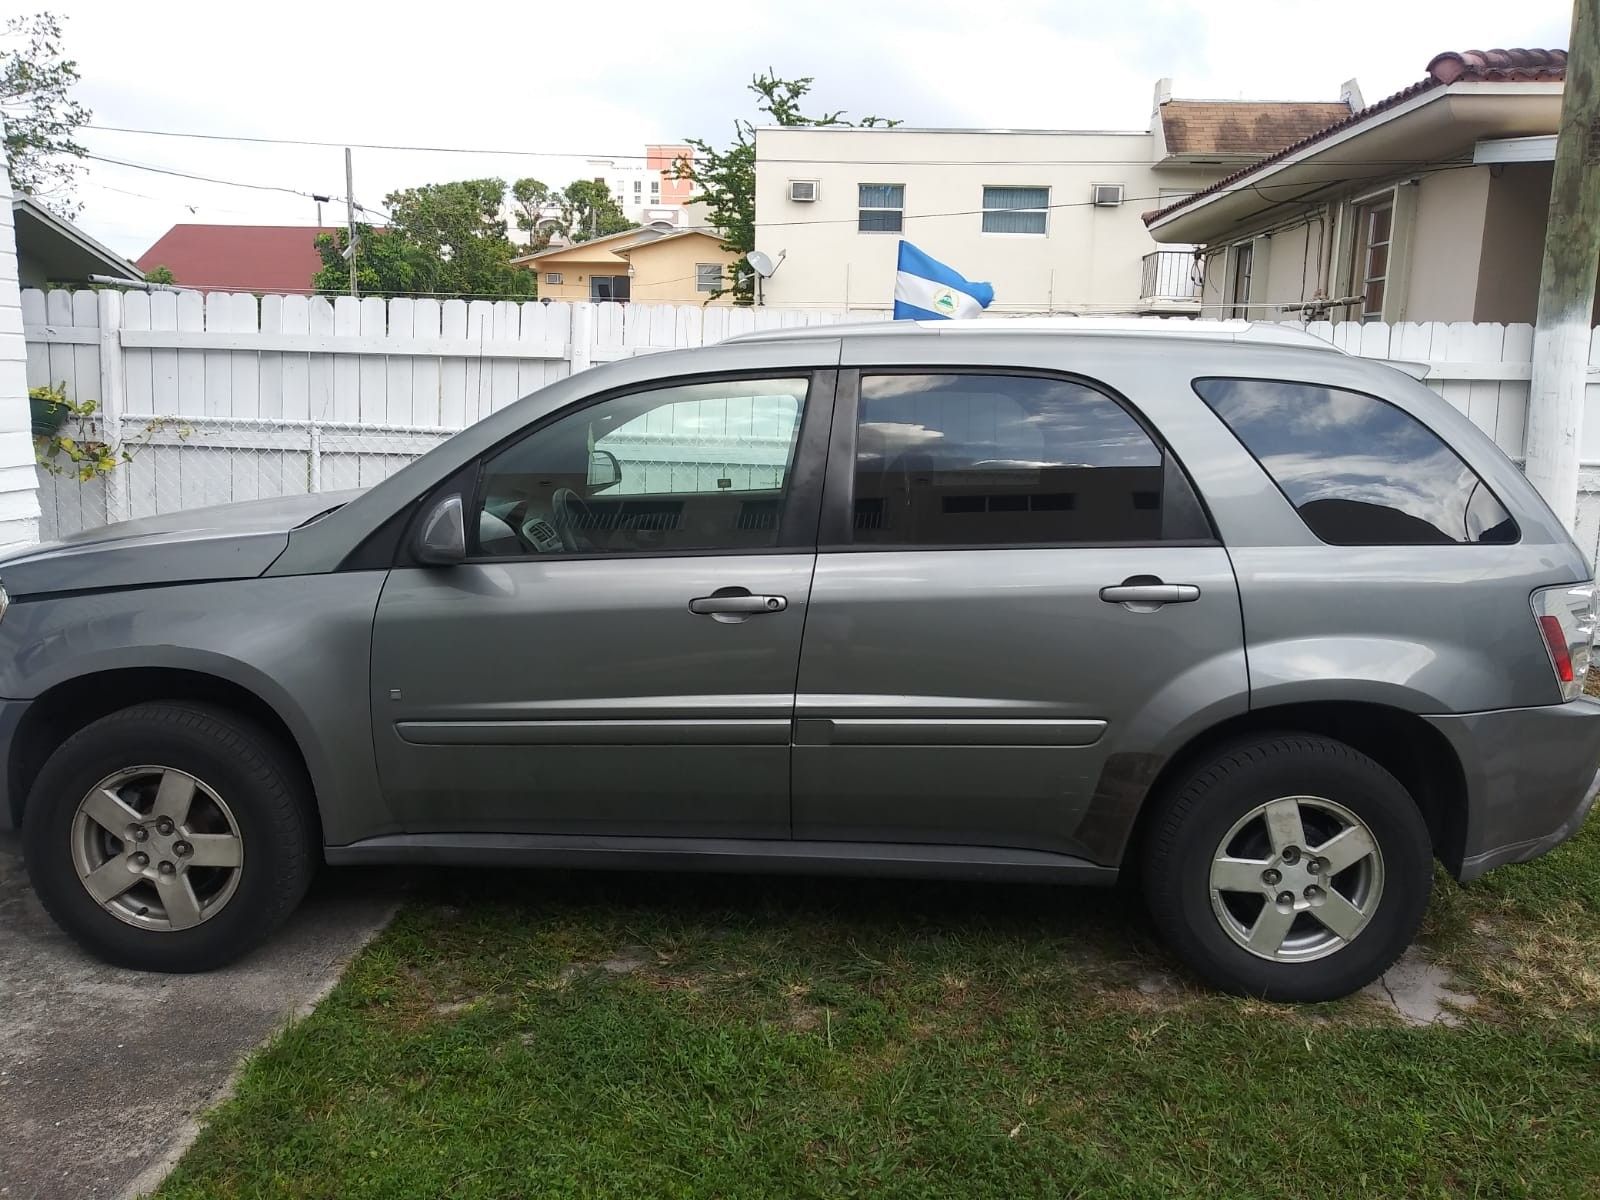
[442, 539]
[604, 470]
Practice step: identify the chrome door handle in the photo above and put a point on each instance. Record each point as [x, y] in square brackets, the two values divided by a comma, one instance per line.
[743, 605]
[1153, 594]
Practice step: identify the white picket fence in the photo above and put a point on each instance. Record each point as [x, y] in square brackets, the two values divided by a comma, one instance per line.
[289, 394]
[228, 397]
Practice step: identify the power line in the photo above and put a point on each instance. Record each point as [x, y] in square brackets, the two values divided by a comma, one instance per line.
[257, 187]
[238, 183]
[849, 220]
[1208, 193]
[501, 151]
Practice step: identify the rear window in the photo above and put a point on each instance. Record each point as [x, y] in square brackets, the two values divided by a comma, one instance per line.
[1358, 470]
[973, 459]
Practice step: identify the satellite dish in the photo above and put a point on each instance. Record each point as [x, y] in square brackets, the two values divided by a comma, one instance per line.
[761, 263]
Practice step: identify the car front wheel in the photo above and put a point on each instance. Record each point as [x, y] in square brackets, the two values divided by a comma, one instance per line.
[1290, 867]
[169, 836]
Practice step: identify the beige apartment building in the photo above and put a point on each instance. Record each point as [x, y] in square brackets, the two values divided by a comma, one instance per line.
[1050, 217]
[1430, 205]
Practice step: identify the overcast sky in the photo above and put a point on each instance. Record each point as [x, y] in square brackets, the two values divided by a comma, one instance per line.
[607, 78]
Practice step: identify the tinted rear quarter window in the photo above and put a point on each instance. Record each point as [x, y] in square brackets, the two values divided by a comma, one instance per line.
[1358, 470]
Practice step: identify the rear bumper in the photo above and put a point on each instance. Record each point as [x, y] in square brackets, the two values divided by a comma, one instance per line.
[1531, 775]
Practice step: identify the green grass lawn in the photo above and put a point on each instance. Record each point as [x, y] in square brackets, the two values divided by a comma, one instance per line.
[535, 1034]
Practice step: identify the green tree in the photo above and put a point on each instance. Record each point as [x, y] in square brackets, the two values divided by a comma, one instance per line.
[36, 81]
[531, 203]
[725, 180]
[160, 274]
[590, 211]
[445, 238]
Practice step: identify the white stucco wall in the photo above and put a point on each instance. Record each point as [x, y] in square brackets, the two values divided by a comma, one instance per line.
[1447, 246]
[1089, 260]
[19, 502]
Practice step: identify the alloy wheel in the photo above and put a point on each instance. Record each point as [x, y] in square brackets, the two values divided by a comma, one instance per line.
[157, 848]
[1296, 879]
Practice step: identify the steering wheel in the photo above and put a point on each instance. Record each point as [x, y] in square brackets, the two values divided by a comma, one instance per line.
[569, 509]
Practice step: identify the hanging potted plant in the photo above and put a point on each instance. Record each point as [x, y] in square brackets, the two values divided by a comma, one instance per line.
[87, 457]
[49, 409]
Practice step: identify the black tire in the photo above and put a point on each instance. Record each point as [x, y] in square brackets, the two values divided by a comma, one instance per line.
[264, 788]
[1197, 813]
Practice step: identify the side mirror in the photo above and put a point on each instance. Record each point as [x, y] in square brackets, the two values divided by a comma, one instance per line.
[604, 470]
[442, 540]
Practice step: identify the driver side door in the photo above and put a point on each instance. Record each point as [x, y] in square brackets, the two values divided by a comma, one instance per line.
[617, 655]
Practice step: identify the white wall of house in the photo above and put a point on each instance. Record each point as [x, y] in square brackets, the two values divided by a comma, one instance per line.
[1447, 245]
[1088, 260]
[1467, 246]
[19, 504]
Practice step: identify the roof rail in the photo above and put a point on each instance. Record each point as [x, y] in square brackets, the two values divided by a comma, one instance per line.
[1187, 329]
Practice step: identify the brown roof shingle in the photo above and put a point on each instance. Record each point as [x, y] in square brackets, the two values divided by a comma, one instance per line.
[238, 258]
[1471, 66]
[1233, 127]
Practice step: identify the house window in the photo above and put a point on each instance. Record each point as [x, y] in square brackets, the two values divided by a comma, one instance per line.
[552, 276]
[638, 187]
[608, 287]
[655, 189]
[1243, 259]
[708, 277]
[1377, 229]
[882, 207]
[1015, 209]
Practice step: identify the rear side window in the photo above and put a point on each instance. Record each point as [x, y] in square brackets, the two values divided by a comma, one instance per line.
[1004, 460]
[1359, 471]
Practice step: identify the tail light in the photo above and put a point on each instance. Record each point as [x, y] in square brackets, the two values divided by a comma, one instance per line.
[1566, 617]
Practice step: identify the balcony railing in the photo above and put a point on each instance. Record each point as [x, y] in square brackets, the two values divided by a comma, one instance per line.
[1170, 278]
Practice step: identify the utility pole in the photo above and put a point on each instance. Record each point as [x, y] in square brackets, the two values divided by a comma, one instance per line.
[1567, 279]
[350, 222]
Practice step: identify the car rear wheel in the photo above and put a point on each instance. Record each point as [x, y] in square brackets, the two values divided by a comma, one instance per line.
[169, 836]
[1290, 867]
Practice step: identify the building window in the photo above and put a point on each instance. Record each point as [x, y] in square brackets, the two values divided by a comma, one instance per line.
[608, 287]
[882, 207]
[638, 187]
[1243, 259]
[655, 188]
[1377, 229]
[708, 277]
[1015, 209]
[552, 276]
[1359, 471]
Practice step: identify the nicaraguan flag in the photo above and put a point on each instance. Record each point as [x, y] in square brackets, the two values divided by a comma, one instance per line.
[927, 290]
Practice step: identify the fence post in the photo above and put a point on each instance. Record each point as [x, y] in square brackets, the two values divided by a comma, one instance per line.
[314, 466]
[113, 400]
[582, 336]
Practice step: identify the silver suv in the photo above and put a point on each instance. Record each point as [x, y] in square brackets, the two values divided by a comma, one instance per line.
[1268, 626]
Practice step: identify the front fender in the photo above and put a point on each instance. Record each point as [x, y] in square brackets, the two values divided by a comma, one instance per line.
[251, 633]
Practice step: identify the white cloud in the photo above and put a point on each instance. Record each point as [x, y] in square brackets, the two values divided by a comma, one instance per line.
[503, 75]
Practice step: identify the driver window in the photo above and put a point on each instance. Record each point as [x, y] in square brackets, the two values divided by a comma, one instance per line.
[701, 466]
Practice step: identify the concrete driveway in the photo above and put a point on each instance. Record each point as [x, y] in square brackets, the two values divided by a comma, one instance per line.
[103, 1072]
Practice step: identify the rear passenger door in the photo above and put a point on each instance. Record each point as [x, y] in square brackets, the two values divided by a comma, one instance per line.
[1013, 572]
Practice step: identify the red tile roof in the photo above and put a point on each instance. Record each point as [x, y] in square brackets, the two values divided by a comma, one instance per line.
[1233, 127]
[238, 258]
[1469, 66]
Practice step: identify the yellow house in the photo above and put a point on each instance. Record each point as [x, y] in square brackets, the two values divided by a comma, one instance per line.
[651, 264]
